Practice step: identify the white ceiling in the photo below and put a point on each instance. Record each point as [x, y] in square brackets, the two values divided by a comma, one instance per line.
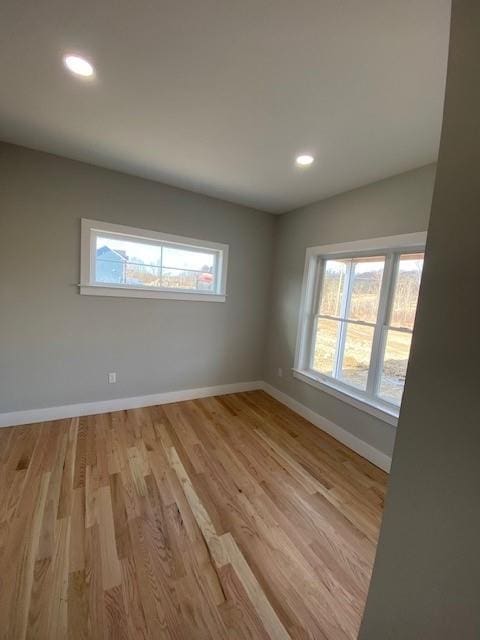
[218, 96]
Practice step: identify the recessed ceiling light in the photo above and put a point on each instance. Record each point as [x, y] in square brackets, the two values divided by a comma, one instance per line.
[79, 66]
[304, 160]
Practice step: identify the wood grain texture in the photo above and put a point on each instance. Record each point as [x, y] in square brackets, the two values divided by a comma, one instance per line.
[226, 517]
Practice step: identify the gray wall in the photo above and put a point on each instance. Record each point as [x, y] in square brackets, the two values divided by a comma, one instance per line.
[56, 346]
[426, 581]
[397, 205]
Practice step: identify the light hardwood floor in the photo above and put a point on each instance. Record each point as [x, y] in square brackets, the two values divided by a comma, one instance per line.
[226, 517]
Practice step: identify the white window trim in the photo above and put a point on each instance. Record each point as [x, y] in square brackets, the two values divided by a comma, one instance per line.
[88, 286]
[406, 242]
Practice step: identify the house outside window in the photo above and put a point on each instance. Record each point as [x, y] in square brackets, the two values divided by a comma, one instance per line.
[110, 265]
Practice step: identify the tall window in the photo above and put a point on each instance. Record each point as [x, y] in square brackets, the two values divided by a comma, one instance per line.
[357, 320]
[119, 260]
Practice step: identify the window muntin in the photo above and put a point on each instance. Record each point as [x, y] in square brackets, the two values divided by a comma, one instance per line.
[122, 258]
[361, 332]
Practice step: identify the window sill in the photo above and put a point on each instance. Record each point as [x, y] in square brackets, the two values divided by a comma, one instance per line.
[143, 292]
[388, 415]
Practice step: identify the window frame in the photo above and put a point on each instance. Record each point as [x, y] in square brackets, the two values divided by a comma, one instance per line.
[90, 229]
[390, 247]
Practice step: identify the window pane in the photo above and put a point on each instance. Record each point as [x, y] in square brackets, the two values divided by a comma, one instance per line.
[185, 259]
[326, 339]
[120, 261]
[332, 287]
[392, 379]
[356, 356]
[186, 279]
[366, 283]
[143, 275]
[127, 262]
[406, 290]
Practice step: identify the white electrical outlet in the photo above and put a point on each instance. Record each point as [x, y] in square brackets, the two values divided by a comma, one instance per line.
[112, 377]
[280, 372]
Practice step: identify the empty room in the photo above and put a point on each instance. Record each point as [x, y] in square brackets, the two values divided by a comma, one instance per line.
[239, 276]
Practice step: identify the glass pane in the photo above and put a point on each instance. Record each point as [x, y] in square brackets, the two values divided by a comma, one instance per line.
[392, 379]
[356, 356]
[143, 275]
[326, 339]
[110, 271]
[185, 259]
[366, 282]
[186, 279]
[406, 290]
[332, 287]
[120, 261]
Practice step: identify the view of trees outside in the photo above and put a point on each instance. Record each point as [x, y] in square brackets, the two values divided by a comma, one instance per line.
[332, 287]
[153, 265]
[397, 344]
[366, 280]
[406, 291]
[367, 274]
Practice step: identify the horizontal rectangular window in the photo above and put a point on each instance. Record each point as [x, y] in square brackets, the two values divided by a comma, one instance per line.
[124, 261]
[357, 318]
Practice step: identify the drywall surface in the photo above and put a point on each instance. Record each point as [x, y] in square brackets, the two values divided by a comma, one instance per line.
[56, 346]
[426, 580]
[397, 205]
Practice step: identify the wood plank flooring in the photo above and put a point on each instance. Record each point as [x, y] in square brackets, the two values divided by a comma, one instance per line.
[226, 517]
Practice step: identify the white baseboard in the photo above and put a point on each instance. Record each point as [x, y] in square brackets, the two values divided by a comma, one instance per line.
[106, 406]
[378, 458]
[119, 404]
